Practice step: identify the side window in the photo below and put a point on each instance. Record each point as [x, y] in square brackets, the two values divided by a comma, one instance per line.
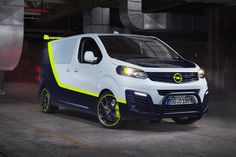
[65, 51]
[88, 44]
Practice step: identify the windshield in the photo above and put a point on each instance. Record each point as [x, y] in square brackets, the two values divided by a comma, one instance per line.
[135, 47]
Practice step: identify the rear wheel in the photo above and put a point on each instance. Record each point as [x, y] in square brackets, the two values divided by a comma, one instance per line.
[108, 112]
[186, 120]
[45, 102]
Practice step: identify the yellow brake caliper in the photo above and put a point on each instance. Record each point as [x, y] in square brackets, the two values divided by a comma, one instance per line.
[117, 110]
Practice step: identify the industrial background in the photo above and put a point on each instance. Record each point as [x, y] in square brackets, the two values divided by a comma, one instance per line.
[203, 31]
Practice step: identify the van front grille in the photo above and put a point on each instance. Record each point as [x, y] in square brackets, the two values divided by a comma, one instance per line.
[169, 76]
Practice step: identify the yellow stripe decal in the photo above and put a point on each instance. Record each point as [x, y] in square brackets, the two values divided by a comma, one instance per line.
[51, 59]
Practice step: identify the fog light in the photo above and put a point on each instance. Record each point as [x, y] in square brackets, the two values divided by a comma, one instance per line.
[140, 94]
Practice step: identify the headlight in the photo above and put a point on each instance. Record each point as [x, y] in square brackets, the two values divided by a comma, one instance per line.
[131, 72]
[201, 73]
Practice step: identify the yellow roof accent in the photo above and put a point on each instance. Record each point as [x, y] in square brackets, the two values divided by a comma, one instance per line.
[47, 37]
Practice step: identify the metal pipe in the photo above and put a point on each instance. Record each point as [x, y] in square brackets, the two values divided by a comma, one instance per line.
[134, 19]
[97, 20]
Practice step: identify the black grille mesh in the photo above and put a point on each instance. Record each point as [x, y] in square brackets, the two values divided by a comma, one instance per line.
[142, 104]
[168, 76]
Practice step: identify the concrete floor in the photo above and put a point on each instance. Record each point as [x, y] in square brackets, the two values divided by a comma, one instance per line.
[26, 132]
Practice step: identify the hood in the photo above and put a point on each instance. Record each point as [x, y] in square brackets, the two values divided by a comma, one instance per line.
[181, 63]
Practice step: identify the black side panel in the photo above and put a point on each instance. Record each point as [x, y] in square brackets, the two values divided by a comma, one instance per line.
[61, 96]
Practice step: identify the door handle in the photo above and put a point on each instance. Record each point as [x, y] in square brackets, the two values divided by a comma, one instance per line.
[67, 70]
[76, 70]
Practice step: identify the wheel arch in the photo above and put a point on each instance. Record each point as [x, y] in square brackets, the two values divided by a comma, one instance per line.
[41, 87]
[110, 84]
[103, 91]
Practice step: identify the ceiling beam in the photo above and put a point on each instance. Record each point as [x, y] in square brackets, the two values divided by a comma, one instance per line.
[73, 8]
[223, 2]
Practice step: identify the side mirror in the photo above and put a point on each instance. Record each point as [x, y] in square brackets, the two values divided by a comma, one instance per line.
[89, 57]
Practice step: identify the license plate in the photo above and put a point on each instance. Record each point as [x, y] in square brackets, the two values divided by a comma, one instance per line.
[180, 100]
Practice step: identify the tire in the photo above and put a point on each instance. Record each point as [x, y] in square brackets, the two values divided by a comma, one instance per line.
[108, 112]
[45, 102]
[186, 120]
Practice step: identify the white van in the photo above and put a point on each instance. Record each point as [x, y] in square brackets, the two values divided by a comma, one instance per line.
[122, 77]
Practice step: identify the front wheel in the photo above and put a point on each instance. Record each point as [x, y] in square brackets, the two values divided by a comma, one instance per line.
[186, 120]
[108, 112]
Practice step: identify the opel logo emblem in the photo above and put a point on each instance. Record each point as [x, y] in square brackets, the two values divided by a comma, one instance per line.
[178, 78]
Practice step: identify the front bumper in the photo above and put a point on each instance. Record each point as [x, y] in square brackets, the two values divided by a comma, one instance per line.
[140, 107]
